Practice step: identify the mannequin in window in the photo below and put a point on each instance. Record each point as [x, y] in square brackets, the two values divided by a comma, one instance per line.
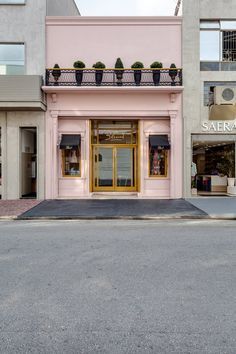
[73, 157]
[156, 168]
[193, 174]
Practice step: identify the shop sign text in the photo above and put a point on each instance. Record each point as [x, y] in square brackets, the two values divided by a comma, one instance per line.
[218, 127]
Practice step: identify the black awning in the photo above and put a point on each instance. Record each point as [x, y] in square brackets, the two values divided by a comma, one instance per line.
[70, 141]
[159, 141]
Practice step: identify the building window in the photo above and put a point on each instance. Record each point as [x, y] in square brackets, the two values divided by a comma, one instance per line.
[71, 155]
[12, 2]
[209, 45]
[158, 155]
[229, 45]
[218, 45]
[12, 59]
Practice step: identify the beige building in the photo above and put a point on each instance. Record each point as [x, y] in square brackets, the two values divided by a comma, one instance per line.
[209, 100]
[22, 102]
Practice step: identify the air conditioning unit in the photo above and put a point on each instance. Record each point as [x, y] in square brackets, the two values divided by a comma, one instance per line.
[224, 95]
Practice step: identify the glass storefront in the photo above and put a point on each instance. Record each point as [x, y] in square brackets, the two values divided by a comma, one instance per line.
[213, 162]
[114, 155]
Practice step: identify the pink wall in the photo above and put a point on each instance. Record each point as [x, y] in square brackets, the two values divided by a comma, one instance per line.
[158, 113]
[70, 109]
[92, 39]
[110, 101]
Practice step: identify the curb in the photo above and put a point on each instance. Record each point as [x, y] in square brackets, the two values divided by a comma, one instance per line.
[8, 217]
[184, 217]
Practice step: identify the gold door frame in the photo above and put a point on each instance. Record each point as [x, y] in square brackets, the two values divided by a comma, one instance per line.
[134, 156]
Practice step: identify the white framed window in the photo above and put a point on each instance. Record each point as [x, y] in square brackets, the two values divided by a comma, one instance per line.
[209, 45]
[218, 41]
[158, 155]
[12, 2]
[12, 58]
[70, 147]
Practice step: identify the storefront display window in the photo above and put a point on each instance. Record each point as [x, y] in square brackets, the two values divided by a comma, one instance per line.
[71, 155]
[214, 162]
[158, 146]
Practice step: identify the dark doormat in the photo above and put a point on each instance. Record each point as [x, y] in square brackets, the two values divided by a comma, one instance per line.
[114, 209]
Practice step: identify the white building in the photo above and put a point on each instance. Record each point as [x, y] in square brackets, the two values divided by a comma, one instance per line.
[209, 104]
[22, 102]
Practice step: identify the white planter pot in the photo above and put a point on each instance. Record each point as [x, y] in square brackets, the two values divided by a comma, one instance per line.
[231, 182]
[231, 191]
[194, 191]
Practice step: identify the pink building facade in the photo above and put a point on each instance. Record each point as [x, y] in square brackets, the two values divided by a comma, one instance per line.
[113, 138]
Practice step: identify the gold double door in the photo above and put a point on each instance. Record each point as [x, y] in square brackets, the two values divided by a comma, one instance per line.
[114, 164]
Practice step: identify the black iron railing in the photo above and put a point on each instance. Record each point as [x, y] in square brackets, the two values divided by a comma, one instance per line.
[114, 77]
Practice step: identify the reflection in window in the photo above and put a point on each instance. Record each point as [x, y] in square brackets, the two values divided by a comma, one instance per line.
[12, 2]
[210, 45]
[210, 24]
[12, 59]
[213, 162]
[228, 25]
[115, 132]
[157, 162]
[71, 162]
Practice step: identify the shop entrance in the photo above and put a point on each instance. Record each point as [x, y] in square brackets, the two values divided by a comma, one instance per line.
[28, 158]
[213, 163]
[114, 155]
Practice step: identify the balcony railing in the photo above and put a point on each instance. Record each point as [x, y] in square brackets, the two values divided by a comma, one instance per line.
[114, 77]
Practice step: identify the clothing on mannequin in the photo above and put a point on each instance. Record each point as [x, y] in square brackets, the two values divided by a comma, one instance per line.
[73, 157]
[156, 168]
[193, 169]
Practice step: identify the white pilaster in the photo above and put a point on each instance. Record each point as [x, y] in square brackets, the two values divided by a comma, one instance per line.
[54, 166]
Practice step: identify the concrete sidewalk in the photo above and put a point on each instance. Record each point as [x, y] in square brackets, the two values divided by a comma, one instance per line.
[197, 207]
[216, 207]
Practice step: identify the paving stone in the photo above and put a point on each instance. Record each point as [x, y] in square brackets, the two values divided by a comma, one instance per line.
[13, 208]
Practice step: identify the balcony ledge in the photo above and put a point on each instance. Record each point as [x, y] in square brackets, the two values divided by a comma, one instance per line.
[113, 89]
[22, 106]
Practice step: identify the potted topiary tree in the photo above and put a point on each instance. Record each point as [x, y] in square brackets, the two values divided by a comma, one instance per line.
[98, 72]
[79, 66]
[173, 73]
[229, 166]
[56, 73]
[137, 73]
[156, 73]
[119, 73]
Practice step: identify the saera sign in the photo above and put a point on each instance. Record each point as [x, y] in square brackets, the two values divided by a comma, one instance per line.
[223, 127]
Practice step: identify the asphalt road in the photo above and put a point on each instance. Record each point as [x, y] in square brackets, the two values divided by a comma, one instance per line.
[118, 287]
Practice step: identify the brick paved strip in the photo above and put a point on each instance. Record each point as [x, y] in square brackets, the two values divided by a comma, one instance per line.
[13, 208]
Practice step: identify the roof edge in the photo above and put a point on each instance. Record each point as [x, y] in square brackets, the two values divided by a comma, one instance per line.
[114, 20]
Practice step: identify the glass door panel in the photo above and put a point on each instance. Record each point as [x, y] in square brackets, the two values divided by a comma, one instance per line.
[103, 167]
[125, 167]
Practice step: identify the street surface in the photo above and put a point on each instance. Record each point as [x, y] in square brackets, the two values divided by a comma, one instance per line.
[118, 287]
